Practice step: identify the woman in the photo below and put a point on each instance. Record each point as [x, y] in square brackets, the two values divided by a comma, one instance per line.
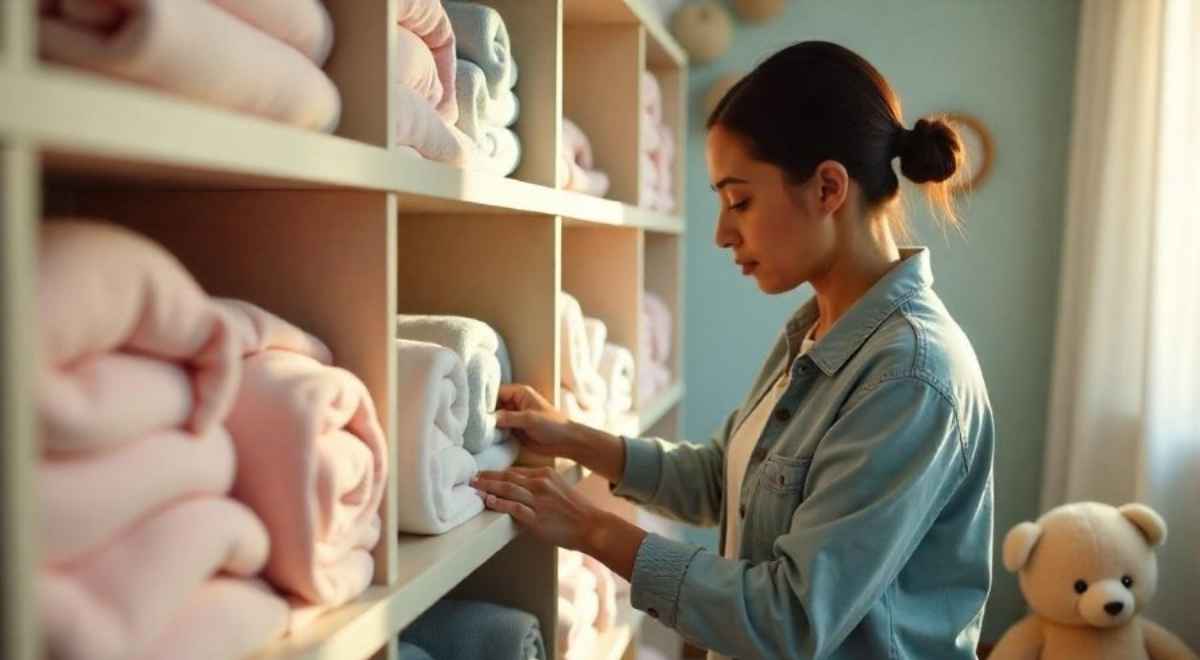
[853, 487]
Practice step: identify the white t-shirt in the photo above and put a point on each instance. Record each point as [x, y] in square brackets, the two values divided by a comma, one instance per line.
[741, 446]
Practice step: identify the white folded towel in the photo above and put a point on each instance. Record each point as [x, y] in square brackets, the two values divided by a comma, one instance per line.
[617, 369]
[597, 335]
[432, 468]
[606, 591]
[482, 38]
[579, 373]
[485, 356]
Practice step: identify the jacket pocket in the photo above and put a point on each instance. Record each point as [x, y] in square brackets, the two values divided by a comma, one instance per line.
[783, 475]
[778, 493]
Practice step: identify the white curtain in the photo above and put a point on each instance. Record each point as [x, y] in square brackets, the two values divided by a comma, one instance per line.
[1124, 421]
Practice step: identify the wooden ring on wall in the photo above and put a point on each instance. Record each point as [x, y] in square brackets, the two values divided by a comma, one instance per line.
[980, 147]
[704, 29]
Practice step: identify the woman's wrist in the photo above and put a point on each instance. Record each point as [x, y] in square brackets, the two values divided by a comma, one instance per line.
[598, 451]
[614, 541]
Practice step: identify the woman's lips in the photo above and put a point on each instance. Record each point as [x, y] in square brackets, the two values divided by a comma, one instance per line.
[749, 267]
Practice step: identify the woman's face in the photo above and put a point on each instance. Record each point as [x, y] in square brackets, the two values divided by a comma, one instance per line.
[779, 233]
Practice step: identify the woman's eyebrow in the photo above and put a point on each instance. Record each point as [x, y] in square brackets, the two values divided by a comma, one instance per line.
[726, 181]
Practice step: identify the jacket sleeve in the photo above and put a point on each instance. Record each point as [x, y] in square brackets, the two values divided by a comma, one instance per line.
[880, 477]
[684, 481]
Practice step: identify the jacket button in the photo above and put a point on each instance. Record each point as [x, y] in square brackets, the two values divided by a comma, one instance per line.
[652, 612]
[783, 415]
[742, 510]
[781, 480]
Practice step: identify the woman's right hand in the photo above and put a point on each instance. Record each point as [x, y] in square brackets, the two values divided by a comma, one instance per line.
[537, 424]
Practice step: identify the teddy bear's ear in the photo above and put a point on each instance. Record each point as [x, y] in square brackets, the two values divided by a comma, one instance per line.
[1153, 527]
[1019, 543]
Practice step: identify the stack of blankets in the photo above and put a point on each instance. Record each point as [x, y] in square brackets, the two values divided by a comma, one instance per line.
[587, 604]
[454, 89]
[597, 375]
[658, 150]
[261, 57]
[654, 344]
[471, 630]
[578, 169]
[450, 369]
[206, 480]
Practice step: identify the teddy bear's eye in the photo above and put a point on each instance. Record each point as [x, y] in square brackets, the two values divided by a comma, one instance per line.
[1080, 586]
[1127, 581]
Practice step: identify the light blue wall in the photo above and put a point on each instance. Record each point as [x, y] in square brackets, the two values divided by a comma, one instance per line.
[1010, 62]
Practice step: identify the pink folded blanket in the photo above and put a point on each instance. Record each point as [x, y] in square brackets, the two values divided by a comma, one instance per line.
[420, 127]
[121, 600]
[256, 330]
[195, 49]
[578, 166]
[87, 500]
[654, 340]
[302, 24]
[106, 295]
[658, 150]
[312, 463]
[224, 618]
[427, 19]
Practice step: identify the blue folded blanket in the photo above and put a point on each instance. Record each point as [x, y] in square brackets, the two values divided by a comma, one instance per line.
[470, 630]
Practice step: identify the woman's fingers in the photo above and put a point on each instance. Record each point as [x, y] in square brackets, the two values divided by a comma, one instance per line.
[506, 490]
[521, 513]
[512, 419]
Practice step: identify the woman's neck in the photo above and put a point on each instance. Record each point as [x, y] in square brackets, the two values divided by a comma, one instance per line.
[863, 256]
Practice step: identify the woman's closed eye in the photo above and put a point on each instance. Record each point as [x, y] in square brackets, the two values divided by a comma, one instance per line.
[739, 205]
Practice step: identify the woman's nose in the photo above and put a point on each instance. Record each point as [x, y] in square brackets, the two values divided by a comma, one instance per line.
[726, 236]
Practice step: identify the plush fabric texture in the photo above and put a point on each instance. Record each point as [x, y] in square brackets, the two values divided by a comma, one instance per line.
[468, 629]
[432, 467]
[195, 49]
[312, 462]
[578, 169]
[302, 24]
[1087, 570]
[105, 297]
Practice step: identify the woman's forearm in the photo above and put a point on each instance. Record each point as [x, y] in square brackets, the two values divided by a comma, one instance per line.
[600, 452]
[615, 542]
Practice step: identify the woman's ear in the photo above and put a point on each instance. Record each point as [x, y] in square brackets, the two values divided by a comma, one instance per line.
[833, 183]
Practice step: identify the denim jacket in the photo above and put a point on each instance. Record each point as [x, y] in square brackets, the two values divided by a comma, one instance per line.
[866, 517]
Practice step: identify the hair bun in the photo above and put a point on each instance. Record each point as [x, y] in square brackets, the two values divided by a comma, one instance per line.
[930, 152]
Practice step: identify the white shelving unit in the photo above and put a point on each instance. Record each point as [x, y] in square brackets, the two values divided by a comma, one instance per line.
[370, 232]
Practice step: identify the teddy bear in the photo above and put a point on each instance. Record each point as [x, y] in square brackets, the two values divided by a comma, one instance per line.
[1087, 570]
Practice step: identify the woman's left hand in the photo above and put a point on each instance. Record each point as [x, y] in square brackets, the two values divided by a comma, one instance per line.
[542, 501]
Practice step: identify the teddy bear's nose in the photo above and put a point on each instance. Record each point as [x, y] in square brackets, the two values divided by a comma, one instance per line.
[1114, 608]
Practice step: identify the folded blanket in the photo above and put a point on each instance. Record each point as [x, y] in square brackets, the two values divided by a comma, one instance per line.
[659, 316]
[499, 456]
[433, 469]
[652, 379]
[577, 634]
[606, 591]
[497, 152]
[663, 160]
[117, 602]
[596, 418]
[485, 357]
[302, 24]
[103, 291]
[483, 40]
[597, 334]
[617, 370]
[416, 69]
[257, 330]
[86, 500]
[477, 105]
[469, 629]
[419, 126]
[578, 168]
[194, 49]
[579, 373]
[312, 463]
[224, 618]
[427, 19]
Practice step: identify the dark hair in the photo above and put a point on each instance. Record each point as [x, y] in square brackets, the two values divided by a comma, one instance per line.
[817, 101]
